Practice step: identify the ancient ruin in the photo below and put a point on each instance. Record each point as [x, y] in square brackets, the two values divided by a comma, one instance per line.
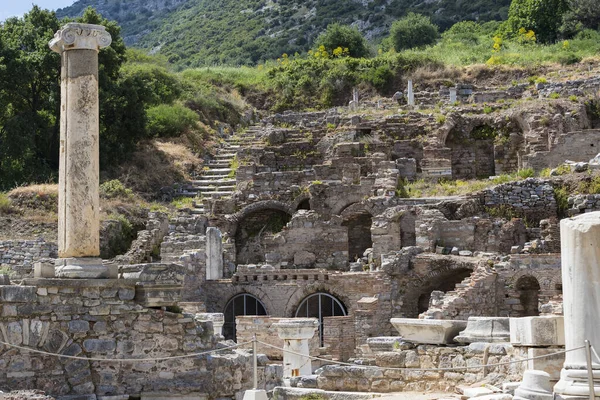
[311, 250]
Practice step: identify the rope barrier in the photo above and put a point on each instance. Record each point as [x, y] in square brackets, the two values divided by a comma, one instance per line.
[134, 360]
[422, 369]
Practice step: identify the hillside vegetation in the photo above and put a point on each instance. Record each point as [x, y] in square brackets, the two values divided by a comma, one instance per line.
[193, 33]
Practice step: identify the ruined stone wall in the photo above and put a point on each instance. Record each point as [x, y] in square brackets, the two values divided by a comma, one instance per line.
[99, 318]
[282, 291]
[262, 327]
[574, 146]
[283, 186]
[371, 379]
[18, 256]
[531, 198]
[583, 203]
[338, 337]
[147, 244]
[309, 242]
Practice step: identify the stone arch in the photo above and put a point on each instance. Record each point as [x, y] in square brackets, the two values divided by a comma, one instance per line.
[358, 219]
[528, 289]
[253, 223]
[302, 202]
[420, 287]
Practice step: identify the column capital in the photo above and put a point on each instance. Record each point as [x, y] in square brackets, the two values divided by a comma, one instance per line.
[74, 36]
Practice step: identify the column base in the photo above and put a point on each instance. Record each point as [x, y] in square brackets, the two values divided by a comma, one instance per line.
[573, 384]
[255, 394]
[84, 268]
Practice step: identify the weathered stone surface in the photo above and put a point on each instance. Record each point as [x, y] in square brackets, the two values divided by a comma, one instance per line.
[485, 329]
[427, 330]
[537, 331]
[17, 294]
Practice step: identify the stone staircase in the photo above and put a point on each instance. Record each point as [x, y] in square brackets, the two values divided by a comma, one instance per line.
[217, 179]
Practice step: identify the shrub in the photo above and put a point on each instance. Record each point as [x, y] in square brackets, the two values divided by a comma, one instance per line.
[561, 195]
[115, 189]
[170, 121]
[412, 31]
[338, 36]
[554, 95]
[4, 203]
[526, 173]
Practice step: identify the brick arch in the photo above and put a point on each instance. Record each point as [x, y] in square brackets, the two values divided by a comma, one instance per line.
[318, 287]
[298, 200]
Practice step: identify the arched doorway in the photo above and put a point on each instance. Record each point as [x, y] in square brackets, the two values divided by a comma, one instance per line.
[242, 304]
[320, 305]
[528, 289]
[442, 284]
[304, 205]
[252, 228]
[359, 233]
[472, 152]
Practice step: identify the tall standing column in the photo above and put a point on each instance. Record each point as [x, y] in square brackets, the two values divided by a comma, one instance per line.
[295, 333]
[78, 197]
[580, 257]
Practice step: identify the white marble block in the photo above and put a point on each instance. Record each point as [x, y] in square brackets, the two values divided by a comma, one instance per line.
[537, 331]
[429, 331]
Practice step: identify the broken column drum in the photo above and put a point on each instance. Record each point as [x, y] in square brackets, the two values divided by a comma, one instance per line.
[580, 258]
[296, 333]
[78, 196]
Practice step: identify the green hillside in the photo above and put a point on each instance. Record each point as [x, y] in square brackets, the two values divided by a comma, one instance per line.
[246, 32]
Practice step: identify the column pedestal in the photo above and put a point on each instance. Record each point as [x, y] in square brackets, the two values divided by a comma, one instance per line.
[580, 258]
[296, 333]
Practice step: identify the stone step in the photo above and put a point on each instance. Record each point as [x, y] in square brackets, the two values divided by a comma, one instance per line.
[215, 188]
[215, 193]
[217, 171]
[219, 164]
[226, 156]
[213, 182]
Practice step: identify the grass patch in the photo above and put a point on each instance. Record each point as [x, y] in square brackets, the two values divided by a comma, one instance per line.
[183, 202]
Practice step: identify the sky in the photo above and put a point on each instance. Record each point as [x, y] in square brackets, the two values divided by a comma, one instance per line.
[16, 8]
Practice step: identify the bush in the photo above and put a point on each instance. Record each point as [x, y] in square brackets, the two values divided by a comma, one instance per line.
[412, 31]
[344, 37]
[170, 121]
[4, 204]
[115, 189]
[526, 173]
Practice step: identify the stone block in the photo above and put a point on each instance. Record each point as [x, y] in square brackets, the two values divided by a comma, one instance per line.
[99, 345]
[172, 396]
[43, 270]
[537, 331]
[551, 365]
[431, 331]
[79, 326]
[485, 329]
[18, 294]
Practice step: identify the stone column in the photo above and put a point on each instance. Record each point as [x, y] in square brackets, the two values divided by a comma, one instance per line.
[295, 333]
[410, 94]
[78, 197]
[214, 254]
[580, 257]
[453, 97]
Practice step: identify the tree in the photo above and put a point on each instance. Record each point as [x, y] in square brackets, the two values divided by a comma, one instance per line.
[582, 14]
[414, 30]
[29, 99]
[544, 17]
[343, 36]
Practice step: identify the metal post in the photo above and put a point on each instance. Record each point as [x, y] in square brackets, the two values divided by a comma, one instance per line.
[255, 372]
[588, 356]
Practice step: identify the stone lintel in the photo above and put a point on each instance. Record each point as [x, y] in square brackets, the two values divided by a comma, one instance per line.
[74, 36]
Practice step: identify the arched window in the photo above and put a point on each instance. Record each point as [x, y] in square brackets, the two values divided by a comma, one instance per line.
[320, 305]
[242, 304]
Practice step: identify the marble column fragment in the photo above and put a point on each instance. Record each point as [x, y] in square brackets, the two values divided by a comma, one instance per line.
[78, 197]
[214, 254]
[296, 333]
[580, 258]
